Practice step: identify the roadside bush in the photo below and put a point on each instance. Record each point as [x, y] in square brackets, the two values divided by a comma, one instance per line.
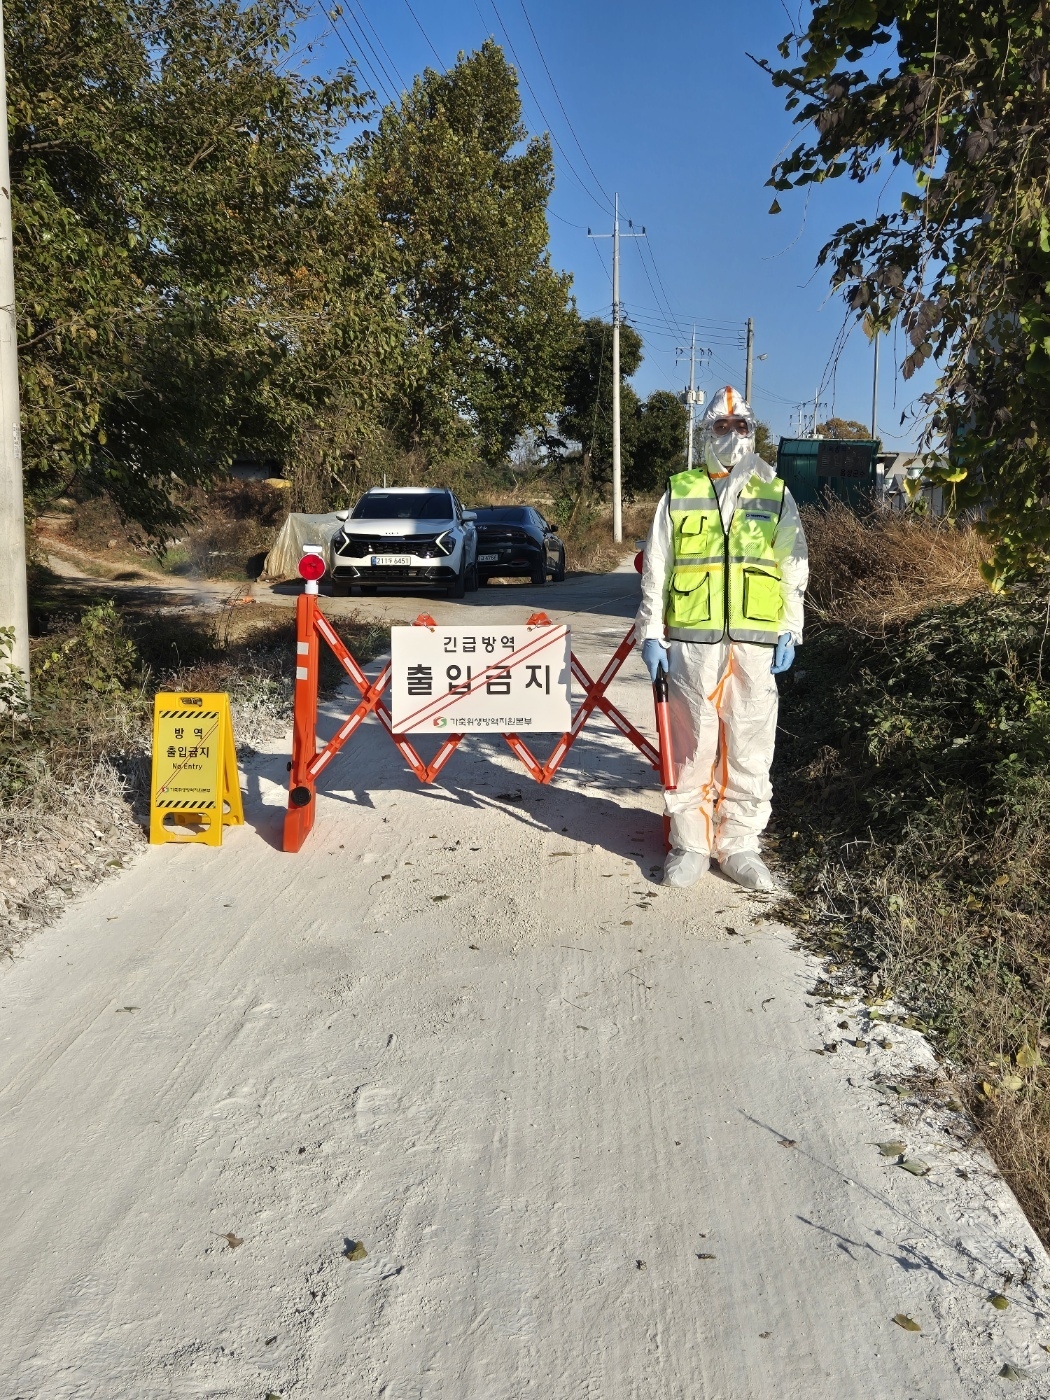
[87, 699]
[913, 809]
[74, 766]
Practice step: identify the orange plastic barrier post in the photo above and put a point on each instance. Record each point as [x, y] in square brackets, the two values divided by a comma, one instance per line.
[663, 730]
[299, 818]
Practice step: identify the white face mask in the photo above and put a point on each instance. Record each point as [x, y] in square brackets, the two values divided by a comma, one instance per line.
[731, 448]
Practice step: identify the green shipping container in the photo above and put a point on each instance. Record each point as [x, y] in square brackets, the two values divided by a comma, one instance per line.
[814, 468]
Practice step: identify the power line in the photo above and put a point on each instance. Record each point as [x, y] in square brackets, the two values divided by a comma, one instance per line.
[424, 33]
[359, 61]
[663, 289]
[562, 220]
[390, 83]
[700, 320]
[777, 398]
[561, 104]
[549, 124]
[658, 328]
[669, 323]
[379, 41]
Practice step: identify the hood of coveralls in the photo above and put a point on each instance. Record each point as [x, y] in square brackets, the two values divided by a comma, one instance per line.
[727, 448]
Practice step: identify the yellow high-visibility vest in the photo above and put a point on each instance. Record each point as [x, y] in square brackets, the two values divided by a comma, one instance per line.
[724, 582]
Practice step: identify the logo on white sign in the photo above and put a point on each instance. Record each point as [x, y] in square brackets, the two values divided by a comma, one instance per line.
[480, 678]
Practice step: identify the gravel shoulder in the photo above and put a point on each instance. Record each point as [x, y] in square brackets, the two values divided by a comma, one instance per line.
[590, 1132]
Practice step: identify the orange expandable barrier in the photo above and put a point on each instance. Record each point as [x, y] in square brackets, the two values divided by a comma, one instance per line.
[312, 627]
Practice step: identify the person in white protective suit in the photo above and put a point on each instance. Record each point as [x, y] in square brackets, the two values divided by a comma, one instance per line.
[725, 572]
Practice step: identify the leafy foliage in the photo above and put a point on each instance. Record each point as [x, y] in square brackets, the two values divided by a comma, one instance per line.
[766, 444]
[207, 264]
[188, 262]
[659, 442]
[13, 698]
[965, 261]
[488, 325]
[913, 804]
[587, 414]
[847, 429]
[953, 713]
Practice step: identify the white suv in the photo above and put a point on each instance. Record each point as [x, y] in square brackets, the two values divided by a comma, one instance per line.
[406, 535]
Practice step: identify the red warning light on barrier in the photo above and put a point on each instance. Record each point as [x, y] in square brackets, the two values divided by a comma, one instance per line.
[311, 566]
[639, 560]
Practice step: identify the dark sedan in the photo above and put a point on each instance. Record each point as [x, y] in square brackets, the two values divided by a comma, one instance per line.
[517, 541]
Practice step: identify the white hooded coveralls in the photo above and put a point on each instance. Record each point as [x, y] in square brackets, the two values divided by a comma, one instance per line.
[722, 697]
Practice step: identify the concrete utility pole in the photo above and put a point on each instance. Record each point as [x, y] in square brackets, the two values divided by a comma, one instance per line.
[692, 400]
[14, 602]
[617, 481]
[750, 358]
[617, 469]
[875, 389]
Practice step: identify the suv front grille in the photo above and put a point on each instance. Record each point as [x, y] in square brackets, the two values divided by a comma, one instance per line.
[421, 546]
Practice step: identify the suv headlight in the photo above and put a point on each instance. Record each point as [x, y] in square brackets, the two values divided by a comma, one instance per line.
[445, 543]
[350, 545]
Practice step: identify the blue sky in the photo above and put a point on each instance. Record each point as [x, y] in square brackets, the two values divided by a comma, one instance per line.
[662, 105]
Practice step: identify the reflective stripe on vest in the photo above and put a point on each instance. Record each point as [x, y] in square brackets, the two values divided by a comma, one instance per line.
[724, 583]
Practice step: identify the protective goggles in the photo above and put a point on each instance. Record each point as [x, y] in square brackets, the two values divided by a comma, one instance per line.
[732, 425]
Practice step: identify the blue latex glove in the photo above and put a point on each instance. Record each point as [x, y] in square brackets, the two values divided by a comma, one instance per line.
[783, 655]
[655, 654]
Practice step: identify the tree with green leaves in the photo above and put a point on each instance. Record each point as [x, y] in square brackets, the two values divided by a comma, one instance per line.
[462, 192]
[195, 272]
[659, 446]
[207, 266]
[766, 443]
[586, 417]
[958, 97]
[844, 429]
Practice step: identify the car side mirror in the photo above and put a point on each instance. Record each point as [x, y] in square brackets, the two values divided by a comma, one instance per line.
[551, 525]
[342, 515]
[469, 515]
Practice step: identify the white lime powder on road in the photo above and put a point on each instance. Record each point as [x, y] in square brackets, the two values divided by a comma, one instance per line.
[578, 1124]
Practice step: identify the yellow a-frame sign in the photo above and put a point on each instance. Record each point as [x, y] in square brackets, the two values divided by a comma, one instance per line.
[195, 779]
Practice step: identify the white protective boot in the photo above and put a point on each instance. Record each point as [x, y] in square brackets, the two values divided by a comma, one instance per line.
[749, 870]
[684, 868]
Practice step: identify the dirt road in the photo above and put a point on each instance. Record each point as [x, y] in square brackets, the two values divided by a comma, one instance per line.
[589, 1131]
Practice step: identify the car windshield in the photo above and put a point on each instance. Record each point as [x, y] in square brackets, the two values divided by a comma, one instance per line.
[403, 505]
[505, 515]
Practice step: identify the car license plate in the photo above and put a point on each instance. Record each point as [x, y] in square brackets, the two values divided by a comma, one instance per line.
[488, 558]
[397, 561]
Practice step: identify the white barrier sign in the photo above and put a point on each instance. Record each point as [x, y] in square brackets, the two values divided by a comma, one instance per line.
[491, 677]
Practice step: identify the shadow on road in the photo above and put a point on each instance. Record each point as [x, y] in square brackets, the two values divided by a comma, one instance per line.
[587, 801]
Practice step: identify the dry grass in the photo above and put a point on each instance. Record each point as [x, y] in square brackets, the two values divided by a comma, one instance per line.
[913, 807]
[235, 524]
[589, 546]
[869, 572]
[232, 526]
